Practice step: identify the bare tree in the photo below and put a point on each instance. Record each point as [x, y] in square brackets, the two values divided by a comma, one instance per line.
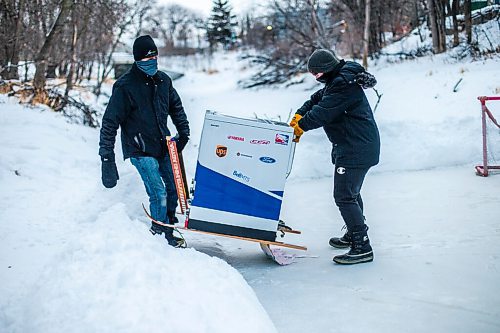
[468, 20]
[72, 66]
[454, 11]
[437, 20]
[366, 35]
[287, 36]
[11, 21]
[41, 58]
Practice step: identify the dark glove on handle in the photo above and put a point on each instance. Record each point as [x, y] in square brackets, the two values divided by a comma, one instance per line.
[109, 171]
[181, 142]
[365, 80]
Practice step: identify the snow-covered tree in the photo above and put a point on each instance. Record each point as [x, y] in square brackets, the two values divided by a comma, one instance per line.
[220, 24]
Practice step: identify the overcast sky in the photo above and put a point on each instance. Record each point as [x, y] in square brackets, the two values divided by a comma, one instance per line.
[204, 6]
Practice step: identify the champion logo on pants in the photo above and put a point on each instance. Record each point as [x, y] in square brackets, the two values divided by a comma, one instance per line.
[340, 170]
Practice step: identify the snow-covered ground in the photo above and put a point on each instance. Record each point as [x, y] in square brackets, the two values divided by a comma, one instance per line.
[77, 257]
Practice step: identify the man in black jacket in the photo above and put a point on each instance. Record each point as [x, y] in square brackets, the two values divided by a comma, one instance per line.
[141, 102]
[343, 111]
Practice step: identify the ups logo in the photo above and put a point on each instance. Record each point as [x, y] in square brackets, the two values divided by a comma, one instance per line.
[221, 151]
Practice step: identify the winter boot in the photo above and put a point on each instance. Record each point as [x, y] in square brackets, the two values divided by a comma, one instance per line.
[172, 219]
[341, 242]
[172, 240]
[360, 251]
[156, 229]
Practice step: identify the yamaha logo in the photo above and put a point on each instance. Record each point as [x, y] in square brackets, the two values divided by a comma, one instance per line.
[340, 170]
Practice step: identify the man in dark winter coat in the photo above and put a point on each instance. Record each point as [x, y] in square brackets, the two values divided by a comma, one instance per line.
[141, 102]
[343, 111]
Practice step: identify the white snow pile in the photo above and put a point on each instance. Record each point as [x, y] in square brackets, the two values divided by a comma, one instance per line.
[73, 260]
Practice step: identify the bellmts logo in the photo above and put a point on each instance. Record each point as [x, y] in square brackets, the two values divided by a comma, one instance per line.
[241, 176]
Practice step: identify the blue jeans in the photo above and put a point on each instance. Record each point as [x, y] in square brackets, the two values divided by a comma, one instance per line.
[158, 179]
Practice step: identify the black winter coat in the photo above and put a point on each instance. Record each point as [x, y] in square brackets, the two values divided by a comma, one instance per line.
[140, 105]
[342, 109]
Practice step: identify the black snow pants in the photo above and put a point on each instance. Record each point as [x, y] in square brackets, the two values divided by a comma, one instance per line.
[347, 184]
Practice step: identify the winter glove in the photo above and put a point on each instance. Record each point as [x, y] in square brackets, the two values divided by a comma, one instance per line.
[295, 120]
[298, 132]
[365, 80]
[109, 171]
[180, 141]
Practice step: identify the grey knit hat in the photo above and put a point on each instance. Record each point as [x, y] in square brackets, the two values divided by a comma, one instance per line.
[322, 61]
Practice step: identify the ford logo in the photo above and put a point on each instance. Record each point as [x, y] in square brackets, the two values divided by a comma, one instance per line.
[267, 159]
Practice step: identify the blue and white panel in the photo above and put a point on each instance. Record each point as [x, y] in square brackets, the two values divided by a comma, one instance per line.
[241, 172]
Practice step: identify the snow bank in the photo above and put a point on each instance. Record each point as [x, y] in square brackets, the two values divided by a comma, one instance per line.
[76, 257]
[116, 278]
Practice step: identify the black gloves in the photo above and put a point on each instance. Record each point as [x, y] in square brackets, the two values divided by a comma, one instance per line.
[365, 80]
[109, 171]
[180, 141]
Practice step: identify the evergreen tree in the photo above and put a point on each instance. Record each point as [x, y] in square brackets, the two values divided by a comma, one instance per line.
[220, 24]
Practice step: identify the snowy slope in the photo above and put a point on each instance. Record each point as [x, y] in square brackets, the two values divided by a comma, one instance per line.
[77, 257]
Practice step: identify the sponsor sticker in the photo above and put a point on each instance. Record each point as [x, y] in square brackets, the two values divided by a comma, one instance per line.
[260, 142]
[241, 176]
[243, 155]
[221, 151]
[282, 139]
[267, 159]
[236, 138]
[214, 125]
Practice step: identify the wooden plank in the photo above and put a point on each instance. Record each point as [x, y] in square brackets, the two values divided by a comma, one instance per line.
[291, 246]
[290, 231]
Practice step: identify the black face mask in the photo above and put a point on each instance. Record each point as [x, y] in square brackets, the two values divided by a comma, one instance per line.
[325, 77]
[322, 79]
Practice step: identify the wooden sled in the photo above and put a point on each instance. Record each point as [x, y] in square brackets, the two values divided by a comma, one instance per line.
[264, 242]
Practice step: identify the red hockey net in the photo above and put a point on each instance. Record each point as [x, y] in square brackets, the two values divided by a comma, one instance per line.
[489, 124]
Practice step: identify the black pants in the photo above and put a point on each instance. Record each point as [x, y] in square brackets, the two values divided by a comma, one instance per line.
[347, 184]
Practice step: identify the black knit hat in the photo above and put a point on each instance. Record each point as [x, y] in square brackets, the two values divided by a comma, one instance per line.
[144, 47]
[322, 61]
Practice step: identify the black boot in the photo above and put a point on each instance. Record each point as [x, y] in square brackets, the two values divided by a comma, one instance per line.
[172, 240]
[360, 251]
[172, 219]
[341, 242]
[156, 229]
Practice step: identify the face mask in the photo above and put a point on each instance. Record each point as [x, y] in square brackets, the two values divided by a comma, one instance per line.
[150, 67]
[322, 79]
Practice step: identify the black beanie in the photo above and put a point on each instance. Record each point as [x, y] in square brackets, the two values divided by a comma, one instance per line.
[144, 47]
[322, 61]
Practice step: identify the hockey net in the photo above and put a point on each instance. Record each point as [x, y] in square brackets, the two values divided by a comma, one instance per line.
[491, 135]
